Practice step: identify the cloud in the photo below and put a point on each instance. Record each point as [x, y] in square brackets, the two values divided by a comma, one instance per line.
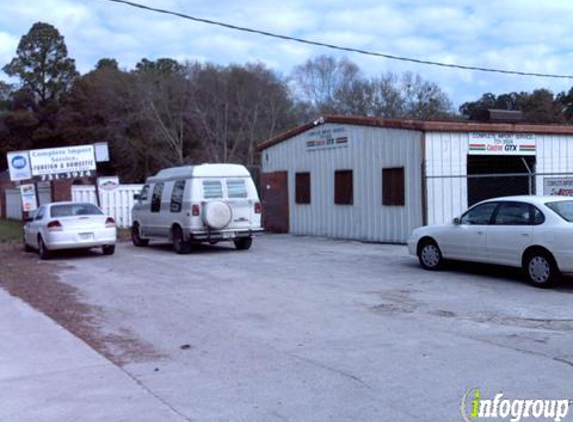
[515, 34]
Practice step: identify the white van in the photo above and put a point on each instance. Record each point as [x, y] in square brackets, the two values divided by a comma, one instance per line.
[192, 204]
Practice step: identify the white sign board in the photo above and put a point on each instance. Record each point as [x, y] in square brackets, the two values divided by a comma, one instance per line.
[19, 165]
[101, 152]
[487, 143]
[62, 161]
[29, 202]
[321, 138]
[558, 186]
[108, 183]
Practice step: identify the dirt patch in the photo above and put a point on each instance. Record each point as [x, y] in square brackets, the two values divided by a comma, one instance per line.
[532, 323]
[395, 302]
[34, 281]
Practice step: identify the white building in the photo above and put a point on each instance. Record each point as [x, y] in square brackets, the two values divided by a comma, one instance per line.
[377, 179]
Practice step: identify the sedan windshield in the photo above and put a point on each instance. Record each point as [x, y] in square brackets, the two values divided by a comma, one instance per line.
[72, 210]
[563, 208]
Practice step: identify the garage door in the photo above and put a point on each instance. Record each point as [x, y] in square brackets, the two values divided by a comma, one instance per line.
[491, 176]
[274, 192]
[14, 201]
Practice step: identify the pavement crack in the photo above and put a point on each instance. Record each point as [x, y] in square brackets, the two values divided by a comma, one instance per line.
[565, 361]
[335, 370]
[157, 397]
[517, 349]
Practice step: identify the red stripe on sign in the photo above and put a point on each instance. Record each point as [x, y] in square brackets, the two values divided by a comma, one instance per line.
[477, 145]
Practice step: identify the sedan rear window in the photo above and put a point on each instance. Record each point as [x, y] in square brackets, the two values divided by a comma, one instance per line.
[563, 208]
[72, 210]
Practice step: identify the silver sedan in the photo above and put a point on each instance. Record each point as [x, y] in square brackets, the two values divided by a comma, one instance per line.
[69, 225]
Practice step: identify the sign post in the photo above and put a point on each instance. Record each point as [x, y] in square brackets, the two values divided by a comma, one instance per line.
[29, 198]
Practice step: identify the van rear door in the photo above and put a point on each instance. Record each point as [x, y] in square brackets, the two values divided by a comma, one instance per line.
[240, 199]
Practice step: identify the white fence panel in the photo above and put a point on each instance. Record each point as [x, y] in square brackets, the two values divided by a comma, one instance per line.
[117, 203]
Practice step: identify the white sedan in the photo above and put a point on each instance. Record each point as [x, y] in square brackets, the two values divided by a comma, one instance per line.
[531, 232]
[69, 225]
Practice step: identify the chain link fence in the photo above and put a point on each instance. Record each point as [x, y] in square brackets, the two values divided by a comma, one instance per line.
[448, 196]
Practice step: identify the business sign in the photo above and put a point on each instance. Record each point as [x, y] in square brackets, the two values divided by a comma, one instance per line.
[108, 183]
[486, 143]
[562, 186]
[66, 162]
[19, 165]
[321, 138]
[101, 152]
[29, 201]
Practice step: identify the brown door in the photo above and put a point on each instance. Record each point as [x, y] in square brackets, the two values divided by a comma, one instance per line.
[274, 189]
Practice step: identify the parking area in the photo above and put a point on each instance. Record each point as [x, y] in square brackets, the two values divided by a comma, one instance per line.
[310, 329]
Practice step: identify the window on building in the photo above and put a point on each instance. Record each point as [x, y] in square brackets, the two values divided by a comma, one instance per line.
[343, 187]
[393, 186]
[156, 197]
[177, 196]
[302, 188]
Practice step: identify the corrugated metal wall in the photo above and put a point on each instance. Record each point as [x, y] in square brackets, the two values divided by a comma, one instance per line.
[369, 150]
[14, 201]
[554, 155]
[446, 155]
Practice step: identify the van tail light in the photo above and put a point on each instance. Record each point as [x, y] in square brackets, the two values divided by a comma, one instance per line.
[257, 208]
[109, 222]
[195, 210]
[55, 226]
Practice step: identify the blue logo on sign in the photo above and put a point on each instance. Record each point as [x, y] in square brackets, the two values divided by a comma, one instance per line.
[19, 162]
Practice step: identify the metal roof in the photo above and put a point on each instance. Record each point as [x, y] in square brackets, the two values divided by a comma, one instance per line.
[421, 125]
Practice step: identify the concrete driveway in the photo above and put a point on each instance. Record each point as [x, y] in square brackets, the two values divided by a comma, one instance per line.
[309, 329]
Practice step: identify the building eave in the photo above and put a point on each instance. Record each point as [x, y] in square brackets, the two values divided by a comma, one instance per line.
[420, 125]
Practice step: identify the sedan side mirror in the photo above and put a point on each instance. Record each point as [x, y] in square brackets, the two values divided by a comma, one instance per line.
[456, 221]
[136, 196]
[27, 219]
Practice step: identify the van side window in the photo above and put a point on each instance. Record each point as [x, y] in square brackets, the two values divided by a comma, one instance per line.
[156, 197]
[212, 189]
[236, 188]
[177, 196]
[144, 192]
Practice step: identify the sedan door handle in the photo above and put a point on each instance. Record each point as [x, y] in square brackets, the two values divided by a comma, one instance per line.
[480, 232]
[525, 234]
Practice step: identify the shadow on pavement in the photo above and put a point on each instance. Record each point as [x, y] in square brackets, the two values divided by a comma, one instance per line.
[498, 273]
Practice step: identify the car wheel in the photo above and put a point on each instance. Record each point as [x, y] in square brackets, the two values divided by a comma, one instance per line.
[244, 243]
[44, 252]
[180, 245]
[108, 249]
[430, 255]
[136, 237]
[541, 269]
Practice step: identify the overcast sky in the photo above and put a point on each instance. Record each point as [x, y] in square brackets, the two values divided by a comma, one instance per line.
[525, 35]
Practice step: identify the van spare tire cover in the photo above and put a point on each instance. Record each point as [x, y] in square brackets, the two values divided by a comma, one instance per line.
[217, 215]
